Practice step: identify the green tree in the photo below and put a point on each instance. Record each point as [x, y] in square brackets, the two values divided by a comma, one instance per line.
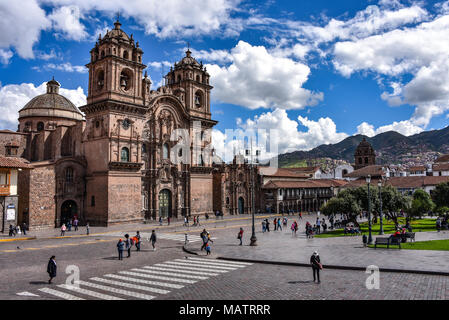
[441, 195]
[421, 203]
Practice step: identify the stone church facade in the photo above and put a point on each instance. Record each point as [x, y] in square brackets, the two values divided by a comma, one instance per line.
[133, 154]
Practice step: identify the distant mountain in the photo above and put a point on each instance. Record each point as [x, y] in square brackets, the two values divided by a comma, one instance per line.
[391, 148]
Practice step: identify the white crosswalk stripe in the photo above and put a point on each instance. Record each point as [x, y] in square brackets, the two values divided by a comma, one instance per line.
[180, 269]
[222, 261]
[217, 263]
[89, 292]
[135, 283]
[189, 266]
[207, 265]
[152, 276]
[181, 237]
[60, 294]
[173, 274]
[130, 285]
[115, 290]
[154, 283]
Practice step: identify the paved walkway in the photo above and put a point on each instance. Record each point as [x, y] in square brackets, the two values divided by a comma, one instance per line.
[283, 247]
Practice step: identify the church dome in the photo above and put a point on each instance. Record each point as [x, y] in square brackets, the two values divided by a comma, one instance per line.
[51, 104]
[117, 33]
[188, 60]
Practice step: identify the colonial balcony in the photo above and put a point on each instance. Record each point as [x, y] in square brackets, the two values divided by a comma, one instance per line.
[4, 189]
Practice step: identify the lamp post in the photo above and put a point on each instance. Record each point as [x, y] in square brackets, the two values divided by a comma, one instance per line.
[370, 238]
[379, 184]
[253, 199]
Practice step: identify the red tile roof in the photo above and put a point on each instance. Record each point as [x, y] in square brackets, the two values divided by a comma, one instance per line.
[416, 182]
[374, 170]
[315, 183]
[15, 163]
[417, 168]
[284, 172]
[443, 158]
[440, 167]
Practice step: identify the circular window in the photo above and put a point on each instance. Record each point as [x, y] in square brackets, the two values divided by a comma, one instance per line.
[126, 124]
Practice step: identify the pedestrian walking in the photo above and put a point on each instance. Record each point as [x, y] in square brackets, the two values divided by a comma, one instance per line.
[185, 222]
[208, 249]
[24, 228]
[186, 240]
[69, 226]
[300, 216]
[268, 225]
[194, 220]
[279, 224]
[51, 268]
[275, 224]
[153, 239]
[365, 240]
[87, 228]
[75, 223]
[168, 220]
[128, 245]
[120, 248]
[198, 220]
[203, 236]
[240, 235]
[318, 223]
[63, 228]
[160, 220]
[264, 226]
[137, 237]
[12, 231]
[316, 266]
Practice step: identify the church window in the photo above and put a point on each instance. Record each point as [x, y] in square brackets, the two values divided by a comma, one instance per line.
[102, 53]
[360, 161]
[227, 200]
[125, 54]
[180, 152]
[179, 78]
[125, 80]
[198, 99]
[165, 151]
[100, 80]
[69, 174]
[198, 79]
[40, 126]
[125, 155]
[144, 148]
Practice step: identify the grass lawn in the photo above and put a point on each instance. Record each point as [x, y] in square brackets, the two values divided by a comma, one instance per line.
[418, 225]
[441, 245]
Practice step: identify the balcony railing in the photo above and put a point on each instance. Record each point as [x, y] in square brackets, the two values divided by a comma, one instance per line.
[4, 189]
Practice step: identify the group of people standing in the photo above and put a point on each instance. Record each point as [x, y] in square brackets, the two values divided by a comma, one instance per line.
[127, 244]
[14, 230]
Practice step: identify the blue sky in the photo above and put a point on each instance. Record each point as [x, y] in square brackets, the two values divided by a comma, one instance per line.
[319, 71]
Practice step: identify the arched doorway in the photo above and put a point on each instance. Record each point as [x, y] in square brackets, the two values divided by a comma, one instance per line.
[241, 205]
[165, 203]
[68, 210]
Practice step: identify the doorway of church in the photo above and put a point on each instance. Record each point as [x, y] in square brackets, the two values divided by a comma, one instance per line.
[68, 210]
[165, 203]
[241, 205]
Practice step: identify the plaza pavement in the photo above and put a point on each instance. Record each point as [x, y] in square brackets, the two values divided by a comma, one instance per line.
[281, 247]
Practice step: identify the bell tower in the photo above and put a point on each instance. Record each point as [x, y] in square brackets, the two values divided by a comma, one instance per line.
[115, 115]
[115, 68]
[189, 80]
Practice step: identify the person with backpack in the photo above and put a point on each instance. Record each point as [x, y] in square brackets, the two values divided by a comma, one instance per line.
[316, 266]
[153, 239]
[137, 240]
[51, 268]
[240, 235]
[128, 245]
[120, 247]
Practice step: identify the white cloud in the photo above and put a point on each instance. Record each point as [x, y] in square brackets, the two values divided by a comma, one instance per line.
[288, 138]
[220, 56]
[257, 79]
[13, 97]
[171, 18]
[405, 127]
[5, 55]
[67, 20]
[159, 64]
[65, 67]
[21, 23]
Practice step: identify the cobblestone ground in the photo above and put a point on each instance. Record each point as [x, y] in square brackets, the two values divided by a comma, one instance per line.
[269, 282]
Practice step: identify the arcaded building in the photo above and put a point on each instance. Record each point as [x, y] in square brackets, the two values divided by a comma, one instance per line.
[130, 154]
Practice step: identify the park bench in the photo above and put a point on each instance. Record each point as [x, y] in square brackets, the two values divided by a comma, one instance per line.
[410, 235]
[388, 241]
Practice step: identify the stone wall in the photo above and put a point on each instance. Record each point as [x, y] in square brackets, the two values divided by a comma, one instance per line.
[10, 137]
[201, 194]
[125, 198]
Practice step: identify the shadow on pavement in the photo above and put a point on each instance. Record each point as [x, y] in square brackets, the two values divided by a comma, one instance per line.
[38, 282]
[301, 281]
